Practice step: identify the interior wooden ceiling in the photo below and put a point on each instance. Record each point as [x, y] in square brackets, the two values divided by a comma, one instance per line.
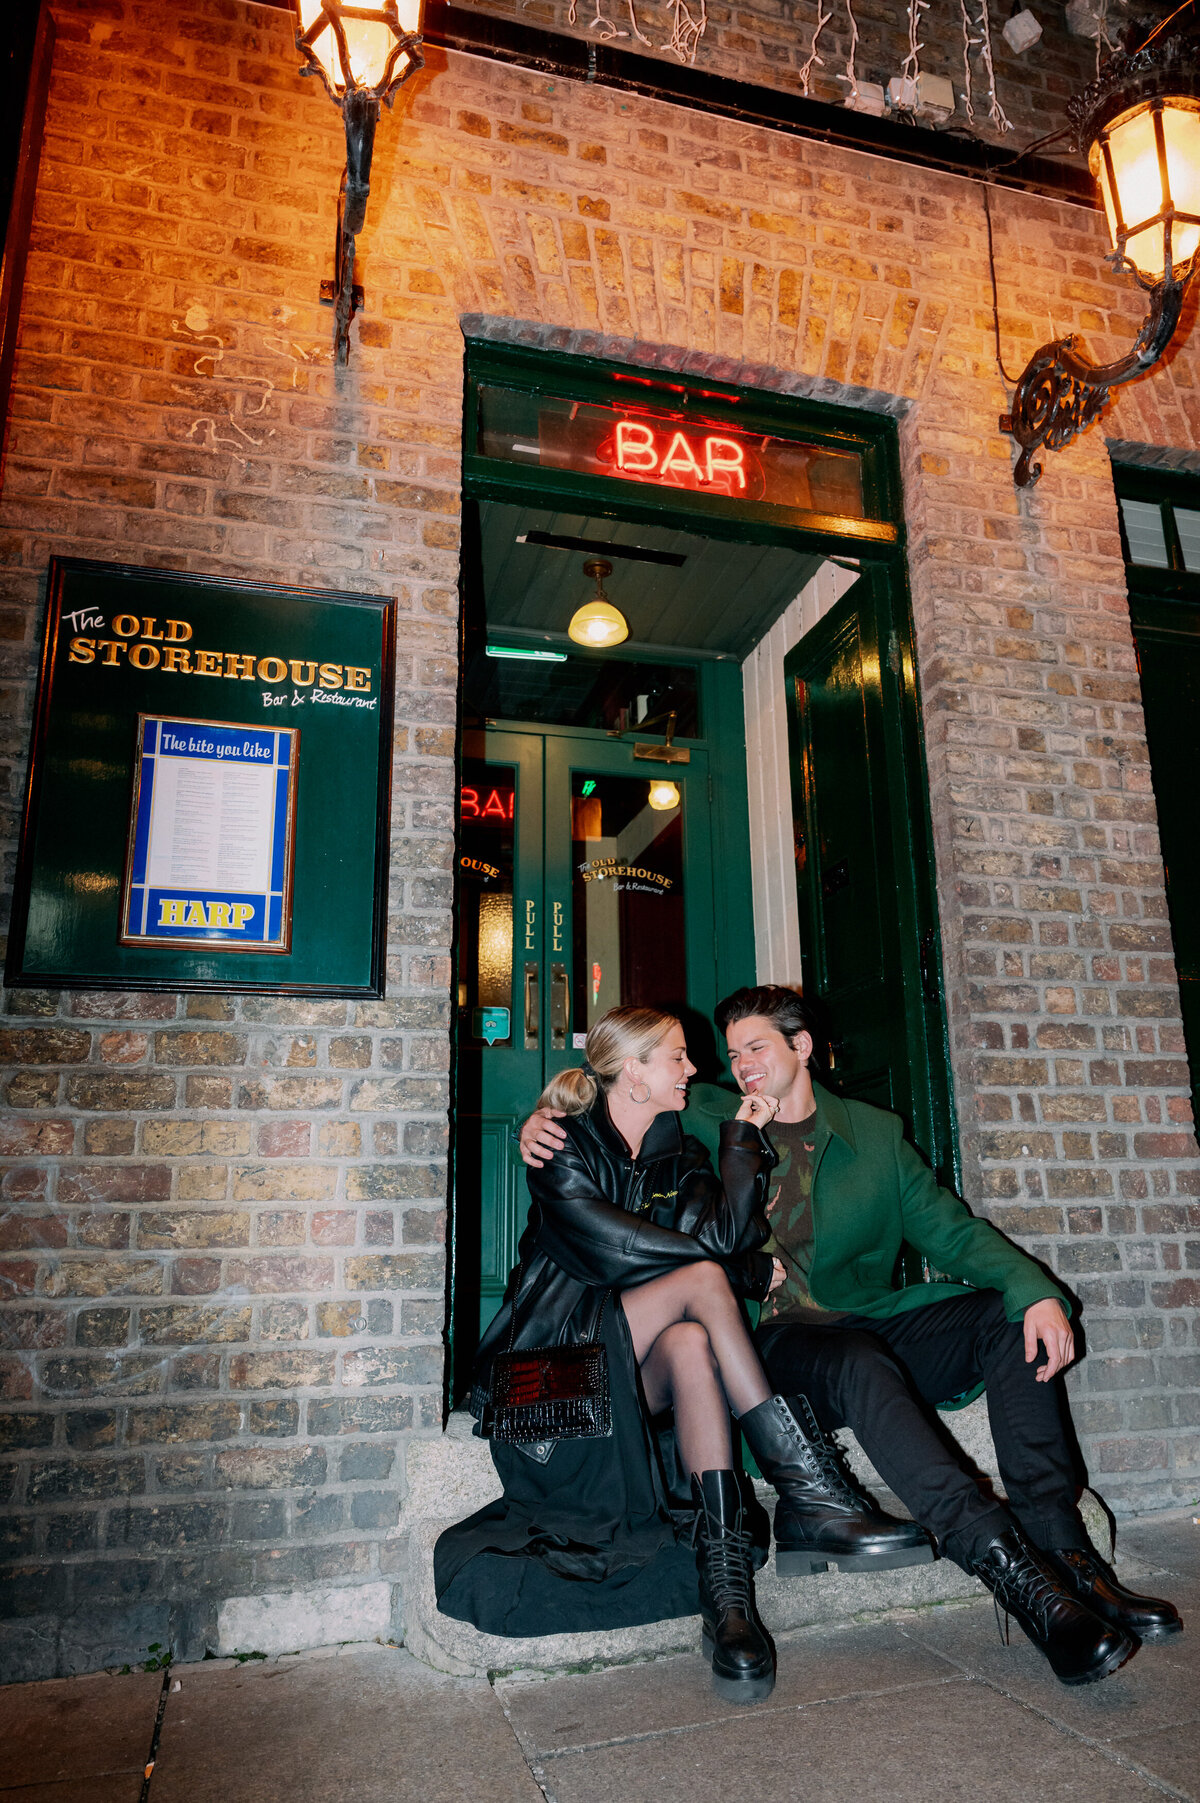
[713, 596]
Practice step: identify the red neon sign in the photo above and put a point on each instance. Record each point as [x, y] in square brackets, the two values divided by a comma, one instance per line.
[683, 461]
[497, 805]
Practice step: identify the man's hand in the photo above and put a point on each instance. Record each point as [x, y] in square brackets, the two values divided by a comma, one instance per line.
[777, 1275]
[541, 1138]
[1047, 1321]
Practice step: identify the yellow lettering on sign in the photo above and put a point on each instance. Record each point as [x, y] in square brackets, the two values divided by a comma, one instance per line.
[218, 914]
[83, 651]
[170, 913]
[331, 676]
[143, 657]
[241, 914]
[178, 630]
[195, 915]
[357, 678]
[177, 657]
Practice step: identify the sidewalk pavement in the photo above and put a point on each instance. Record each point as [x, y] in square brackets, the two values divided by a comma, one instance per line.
[923, 1706]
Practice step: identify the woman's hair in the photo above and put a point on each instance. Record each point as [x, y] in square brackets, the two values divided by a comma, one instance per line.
[620, 1034]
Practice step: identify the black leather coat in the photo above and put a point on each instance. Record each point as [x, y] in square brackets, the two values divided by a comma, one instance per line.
[601, 1220]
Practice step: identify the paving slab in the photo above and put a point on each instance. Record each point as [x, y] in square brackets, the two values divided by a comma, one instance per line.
[938, 1743]
[1173, 1755]
[1170, 1545]
[1157, 1688]
[813, 1666]
[365, 1724]
[71, 1730]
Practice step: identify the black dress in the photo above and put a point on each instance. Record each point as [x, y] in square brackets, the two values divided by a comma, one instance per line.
[593, 1534]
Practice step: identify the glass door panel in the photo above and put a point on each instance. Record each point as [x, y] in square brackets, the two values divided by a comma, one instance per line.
[627, 895]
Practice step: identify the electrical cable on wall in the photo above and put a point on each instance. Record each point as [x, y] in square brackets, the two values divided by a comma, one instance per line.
[987, 213]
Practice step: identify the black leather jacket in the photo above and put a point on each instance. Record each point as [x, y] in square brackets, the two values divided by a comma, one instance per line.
[601, 1220]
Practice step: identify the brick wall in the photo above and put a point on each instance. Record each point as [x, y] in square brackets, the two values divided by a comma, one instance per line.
[222, 1264]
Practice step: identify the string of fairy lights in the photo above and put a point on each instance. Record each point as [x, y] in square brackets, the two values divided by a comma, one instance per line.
[688, 23]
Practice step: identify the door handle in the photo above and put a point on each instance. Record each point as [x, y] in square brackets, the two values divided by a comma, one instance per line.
[531, 1007]
[560, 1007]
[928, 974]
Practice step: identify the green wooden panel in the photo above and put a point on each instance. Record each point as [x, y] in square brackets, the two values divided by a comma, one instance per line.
[273, 656]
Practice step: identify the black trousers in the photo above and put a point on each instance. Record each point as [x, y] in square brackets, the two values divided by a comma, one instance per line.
[879, 1378]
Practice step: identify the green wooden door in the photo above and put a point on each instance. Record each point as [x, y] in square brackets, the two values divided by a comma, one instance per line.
[1167, 636]
[585, 880]
[863, 866]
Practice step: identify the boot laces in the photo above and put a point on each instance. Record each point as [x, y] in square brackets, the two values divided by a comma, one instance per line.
[1027, 1586]
[829, 1459]
[727, 1564]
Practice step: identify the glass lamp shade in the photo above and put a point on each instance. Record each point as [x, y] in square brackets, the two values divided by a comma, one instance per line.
[1147, 162]
[362, 56]
[598, 624]
[663, 797]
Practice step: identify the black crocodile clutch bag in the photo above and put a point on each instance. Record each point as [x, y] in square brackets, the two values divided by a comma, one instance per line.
[551, 1393]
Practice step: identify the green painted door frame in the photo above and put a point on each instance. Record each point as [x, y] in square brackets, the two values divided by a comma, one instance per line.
[877, 543]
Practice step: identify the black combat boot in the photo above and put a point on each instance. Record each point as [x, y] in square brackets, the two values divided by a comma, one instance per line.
[822, 1513]
[743, 1663]
[1098, 1588]
[1080, 1647]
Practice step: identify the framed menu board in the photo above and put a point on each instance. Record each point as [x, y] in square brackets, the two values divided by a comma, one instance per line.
[209, 787]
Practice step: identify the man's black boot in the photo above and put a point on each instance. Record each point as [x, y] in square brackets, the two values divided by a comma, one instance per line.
[1080, 1647]
[822, 1513]
[1097, 1586]
[743, 1663]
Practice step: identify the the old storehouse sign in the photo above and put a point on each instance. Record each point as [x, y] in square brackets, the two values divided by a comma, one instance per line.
[208, 793]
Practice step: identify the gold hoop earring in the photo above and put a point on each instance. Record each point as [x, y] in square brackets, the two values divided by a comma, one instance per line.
[640, 1100]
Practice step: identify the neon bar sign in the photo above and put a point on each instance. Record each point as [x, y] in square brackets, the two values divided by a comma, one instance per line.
[678, 458]
[497, 805]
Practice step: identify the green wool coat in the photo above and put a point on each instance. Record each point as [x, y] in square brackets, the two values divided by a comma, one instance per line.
[871, 1192]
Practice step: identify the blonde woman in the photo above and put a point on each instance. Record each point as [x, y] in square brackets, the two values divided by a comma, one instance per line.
[631, 1238]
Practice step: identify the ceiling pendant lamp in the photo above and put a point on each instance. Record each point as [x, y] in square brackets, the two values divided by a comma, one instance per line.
[663, 797]
[598, 623]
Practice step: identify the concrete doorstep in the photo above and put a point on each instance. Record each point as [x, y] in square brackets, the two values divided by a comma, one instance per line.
[453, 1476]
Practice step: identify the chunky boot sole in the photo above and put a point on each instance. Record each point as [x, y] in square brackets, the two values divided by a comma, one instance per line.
[732, 1689]
[803, 1561]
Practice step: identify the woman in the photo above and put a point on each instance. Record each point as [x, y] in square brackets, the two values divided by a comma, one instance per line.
[631, 1239]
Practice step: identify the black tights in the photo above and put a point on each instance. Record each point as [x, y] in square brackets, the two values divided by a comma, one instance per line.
[696, 1358]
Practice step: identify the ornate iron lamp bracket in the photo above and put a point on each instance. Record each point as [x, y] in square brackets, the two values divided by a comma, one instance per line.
[1061, 390]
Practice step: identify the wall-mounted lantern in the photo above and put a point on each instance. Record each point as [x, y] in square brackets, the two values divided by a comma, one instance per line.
[1140, 124]
[362, 53]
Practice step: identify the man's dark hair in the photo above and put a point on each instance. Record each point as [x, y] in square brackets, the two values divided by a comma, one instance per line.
[787, 1012]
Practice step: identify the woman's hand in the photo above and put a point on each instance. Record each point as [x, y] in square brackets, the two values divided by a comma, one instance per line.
[777, 1276]
[759, 1110]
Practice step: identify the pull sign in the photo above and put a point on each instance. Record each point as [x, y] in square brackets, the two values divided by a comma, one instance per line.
[556, 927]
[530, 926]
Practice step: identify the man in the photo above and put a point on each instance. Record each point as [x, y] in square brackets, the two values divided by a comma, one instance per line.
[847, 1347]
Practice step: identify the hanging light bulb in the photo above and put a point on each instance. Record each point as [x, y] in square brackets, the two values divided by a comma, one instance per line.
[598, 623]
[663, 797]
